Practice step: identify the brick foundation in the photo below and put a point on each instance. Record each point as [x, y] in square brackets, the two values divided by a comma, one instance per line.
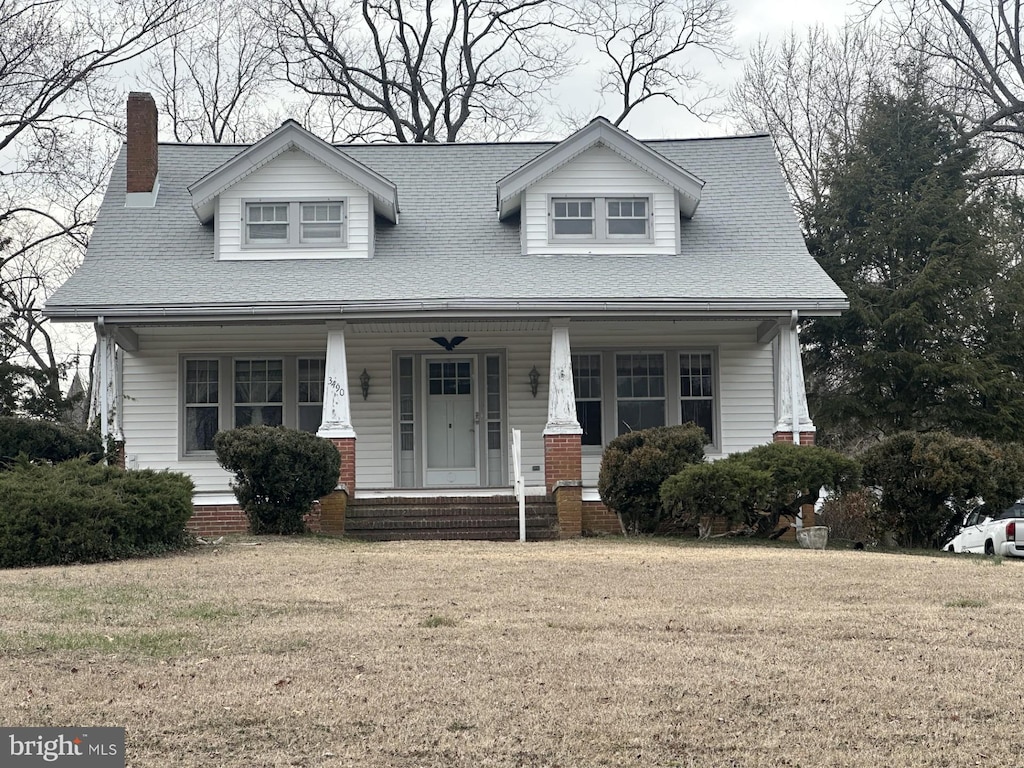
[597, 518]
[118, 459]
[806, 438]
[217, 520]
[347, 474]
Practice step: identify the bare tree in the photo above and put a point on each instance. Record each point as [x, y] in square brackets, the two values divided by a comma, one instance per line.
[808, 92]
[57, 108]
[212, 77]
[422, 71]
[646, 47]
[974, 49]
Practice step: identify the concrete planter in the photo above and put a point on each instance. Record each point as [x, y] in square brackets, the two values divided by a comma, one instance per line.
[813, 537]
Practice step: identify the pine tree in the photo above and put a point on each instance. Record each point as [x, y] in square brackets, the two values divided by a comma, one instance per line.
[913, 243]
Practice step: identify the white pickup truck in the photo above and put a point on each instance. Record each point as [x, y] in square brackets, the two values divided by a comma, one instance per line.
[992, 533]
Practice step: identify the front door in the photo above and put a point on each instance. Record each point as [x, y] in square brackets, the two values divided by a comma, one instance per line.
[451, 411]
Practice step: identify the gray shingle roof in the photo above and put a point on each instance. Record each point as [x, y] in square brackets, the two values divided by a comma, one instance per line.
[743, 247]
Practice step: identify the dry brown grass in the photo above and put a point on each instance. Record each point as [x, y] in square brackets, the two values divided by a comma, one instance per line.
[601, 652]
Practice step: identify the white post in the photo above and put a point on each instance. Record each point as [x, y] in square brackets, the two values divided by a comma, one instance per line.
[337, 416]
[103, 363]
[561, 392]
[791, 396]
[519, 483]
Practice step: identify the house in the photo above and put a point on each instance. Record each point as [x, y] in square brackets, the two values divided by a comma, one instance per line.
[413, 303]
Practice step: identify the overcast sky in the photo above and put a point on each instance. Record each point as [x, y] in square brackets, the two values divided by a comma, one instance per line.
[753, 19]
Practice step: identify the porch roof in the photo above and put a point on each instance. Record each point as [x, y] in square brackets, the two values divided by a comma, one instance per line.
[743, 253]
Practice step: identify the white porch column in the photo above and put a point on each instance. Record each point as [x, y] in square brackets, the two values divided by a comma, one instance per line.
[790, 391]
[106, 391]
[561, 393]
[337, 415]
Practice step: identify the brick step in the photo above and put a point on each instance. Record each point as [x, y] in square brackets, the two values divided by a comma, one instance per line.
[490, 518]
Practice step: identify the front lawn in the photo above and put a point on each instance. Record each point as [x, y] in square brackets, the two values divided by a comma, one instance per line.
[316, 652]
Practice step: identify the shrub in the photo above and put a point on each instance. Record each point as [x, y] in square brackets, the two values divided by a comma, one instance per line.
[849, 516]
[279, 472]
[925, 478]
[46, 441]
[722, 489]
[635, 465]
[798, 473]
[758, 487]
[81, 512]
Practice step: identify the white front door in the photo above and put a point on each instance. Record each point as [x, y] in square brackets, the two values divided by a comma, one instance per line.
[451, 437]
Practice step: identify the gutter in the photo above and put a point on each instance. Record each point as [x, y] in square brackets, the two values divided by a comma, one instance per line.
[486, 308]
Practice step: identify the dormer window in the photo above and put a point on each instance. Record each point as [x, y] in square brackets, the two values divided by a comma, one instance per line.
[295, 223]
[573, 218]
[600, 219]
[627, 217]
[266, 223]
[322, 222]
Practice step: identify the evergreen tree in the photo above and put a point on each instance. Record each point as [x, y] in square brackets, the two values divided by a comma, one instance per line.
[914, 244]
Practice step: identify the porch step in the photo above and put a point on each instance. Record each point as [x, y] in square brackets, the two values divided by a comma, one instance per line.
[493, 518]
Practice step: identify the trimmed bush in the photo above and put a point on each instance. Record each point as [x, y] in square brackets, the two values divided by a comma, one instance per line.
[635, 465]
[798, 473]
[279, 473]
[723, 489]
[77, 512]
[46, 441]
[926, 478]
[759, 487]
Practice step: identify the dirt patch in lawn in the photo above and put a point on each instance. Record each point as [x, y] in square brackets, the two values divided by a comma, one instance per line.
[317, 652]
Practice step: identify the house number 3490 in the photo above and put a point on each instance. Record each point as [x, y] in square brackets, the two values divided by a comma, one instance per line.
[335, 386]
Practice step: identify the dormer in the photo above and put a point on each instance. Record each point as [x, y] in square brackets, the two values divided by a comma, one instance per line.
[600, 191]
[292, 195]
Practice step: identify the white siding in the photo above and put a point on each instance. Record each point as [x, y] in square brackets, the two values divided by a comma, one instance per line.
[151, 410]
[293, 176]
[600, 172]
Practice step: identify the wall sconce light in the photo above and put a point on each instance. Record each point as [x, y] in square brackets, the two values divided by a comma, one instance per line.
[364, 383]
[534, 380]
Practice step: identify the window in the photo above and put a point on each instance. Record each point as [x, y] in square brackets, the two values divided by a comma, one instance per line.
[600, 219]
[696, 391]
[266, 223]
[627, 217]
[321, 223]
[573, 218]
[317, 222]
[259, 393]
[640, 391]
[586, 379]
[310, 396]
[202, 404]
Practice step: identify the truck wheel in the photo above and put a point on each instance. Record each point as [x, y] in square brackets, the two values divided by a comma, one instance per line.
[989, 549]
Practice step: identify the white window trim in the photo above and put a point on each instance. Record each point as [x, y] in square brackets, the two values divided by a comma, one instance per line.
[226, 384]
[294, 224]
[601, 235]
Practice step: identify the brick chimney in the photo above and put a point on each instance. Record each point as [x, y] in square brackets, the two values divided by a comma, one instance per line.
[142, 153]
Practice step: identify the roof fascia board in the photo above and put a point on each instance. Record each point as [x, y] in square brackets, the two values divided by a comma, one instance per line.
[690, 308]
[599, 131]
[288, 136]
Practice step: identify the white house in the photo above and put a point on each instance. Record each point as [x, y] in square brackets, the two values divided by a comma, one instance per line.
[415, 302]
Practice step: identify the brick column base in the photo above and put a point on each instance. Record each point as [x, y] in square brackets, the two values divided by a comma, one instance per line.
[562, 459]
[347, 474]
[806, 438]
[569, 505]
[332, 513]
